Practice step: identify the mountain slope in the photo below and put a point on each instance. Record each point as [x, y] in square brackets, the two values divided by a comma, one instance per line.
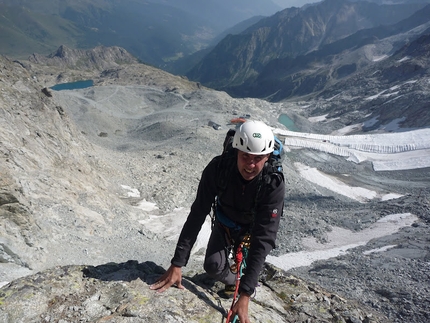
[226, 13]
[290, 33]
[183, 65]
[24, 32]
[156, 32]
[392, 94]
[105, 176]
[282, 78]
[396, 89]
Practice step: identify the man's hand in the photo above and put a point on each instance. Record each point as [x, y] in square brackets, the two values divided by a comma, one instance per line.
[173, 276]
[241, 308]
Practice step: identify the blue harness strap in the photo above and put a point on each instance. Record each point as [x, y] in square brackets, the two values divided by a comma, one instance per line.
[225, 220]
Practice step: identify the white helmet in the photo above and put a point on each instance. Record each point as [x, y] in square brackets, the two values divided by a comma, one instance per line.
[254, 137]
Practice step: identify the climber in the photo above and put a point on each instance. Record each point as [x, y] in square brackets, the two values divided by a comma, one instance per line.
[247, 195]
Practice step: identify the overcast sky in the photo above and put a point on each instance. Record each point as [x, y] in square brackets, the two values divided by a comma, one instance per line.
[293, 3]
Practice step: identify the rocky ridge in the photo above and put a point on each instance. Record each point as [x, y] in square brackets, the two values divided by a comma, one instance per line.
[99, 58]
[119, 293]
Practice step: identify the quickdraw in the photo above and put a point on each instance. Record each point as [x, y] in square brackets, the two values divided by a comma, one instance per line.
[238, 267]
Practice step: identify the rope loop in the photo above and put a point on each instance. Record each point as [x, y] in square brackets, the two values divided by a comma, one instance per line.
[240, 265]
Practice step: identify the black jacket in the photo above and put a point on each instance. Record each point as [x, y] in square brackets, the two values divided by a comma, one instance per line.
[237, 200]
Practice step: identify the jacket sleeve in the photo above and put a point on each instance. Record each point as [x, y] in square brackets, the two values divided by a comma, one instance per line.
[200, 208]
[263, 234]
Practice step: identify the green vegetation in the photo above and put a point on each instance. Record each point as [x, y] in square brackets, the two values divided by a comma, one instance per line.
[23, 32]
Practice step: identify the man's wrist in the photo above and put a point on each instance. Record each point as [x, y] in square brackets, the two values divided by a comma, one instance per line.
[245, 292]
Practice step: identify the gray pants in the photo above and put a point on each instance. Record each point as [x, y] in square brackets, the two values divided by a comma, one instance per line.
[216, 260]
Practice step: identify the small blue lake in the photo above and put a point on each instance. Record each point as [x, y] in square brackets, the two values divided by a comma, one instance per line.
[287, 122]
[73, 86]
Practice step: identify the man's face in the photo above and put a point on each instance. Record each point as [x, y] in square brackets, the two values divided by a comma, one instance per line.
[249, 165]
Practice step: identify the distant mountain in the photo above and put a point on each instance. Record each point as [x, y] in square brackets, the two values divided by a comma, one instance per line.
[184, 64]
[394, 1]
[237, 29]
[317, 70]
[154, 31]
[224, 13]
[239, 59]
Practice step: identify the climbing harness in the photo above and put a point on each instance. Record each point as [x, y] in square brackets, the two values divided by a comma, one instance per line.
[238, 268]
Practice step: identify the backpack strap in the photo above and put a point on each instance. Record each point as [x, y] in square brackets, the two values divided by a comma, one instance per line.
[225, 169]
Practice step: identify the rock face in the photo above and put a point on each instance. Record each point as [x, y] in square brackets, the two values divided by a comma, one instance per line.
[120, 293]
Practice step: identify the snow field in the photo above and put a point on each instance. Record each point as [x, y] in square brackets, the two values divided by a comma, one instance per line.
[388, 151]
